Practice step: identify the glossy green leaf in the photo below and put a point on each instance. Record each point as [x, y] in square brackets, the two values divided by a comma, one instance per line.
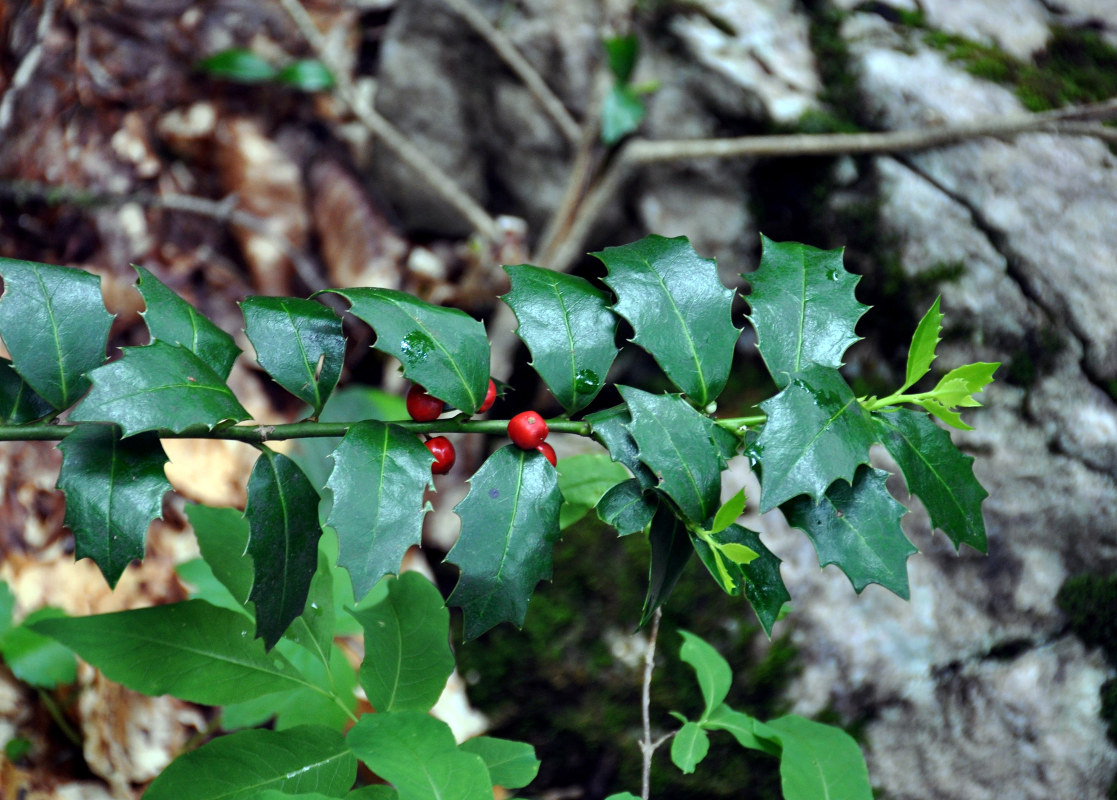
[158, 386]
[671, 550]
[759, 578]
[679, 310]
[299, 343]
[443, 349]
[689, 747]
[816, 433]
[857, 527]
[35, 659]
[237, 64]
[192, 650]
[729, 511]
[627, 507]
[307, 75]
[240, 766]
[55, 326]
[938, 473]
[282, 514]
[568, 327]
[583, 480]
[171, 319]
[674, 443]
[819, 761]
[622, 111]
[18, 401]
[924, 342]
[742, 727]
[512, 765]
[407, 637]
[377, 484]
[509, 528]
[803, 308]
[610, 427]
[222, 535]
[711, 669]
[114, 488]
[416, 753]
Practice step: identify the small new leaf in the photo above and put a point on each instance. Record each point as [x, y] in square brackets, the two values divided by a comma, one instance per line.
[923, 344]
[728, 513]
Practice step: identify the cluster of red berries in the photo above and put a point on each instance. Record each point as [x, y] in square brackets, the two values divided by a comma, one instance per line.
[526, 430]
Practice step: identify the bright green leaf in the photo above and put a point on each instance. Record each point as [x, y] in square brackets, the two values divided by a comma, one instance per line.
[114, 488]
[222, 535]
[622, 796]
[689, 747]
[55, 326]
[713, 672]
[679, 310]
[803, 308]
[407, 637]
[610, 427]
[35, 659]
[171, 319]
[819, 761]
[314, 628]
[158, 386]
[443, 349]
[728, 513]
[627, 507]
[622, 111]
[742, 727]
[18, 401]
[583, 480]
[377, 484]
[923, 345]
[237, 64]
[568, 327]
[299, 343]
[671, 550]
[759, 578]
[307, 75]
[857, 527]
[282, 514]
[512, 765]
[509, 528]
[739, 554]
[240, 766]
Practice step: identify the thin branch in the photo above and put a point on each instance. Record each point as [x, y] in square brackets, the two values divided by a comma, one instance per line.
[435, 177]
[27, 67]
[519, 65]
[647, 746]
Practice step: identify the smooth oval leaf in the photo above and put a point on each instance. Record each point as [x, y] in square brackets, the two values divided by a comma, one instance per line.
[819, 760]
[307, 75]
[443, 349]
[729, 511]
[512, 765]
[299, 343]
[171, 319]
[114, 488]
[54, 324]
[568, 327]
[713, 672]
[924, 342]
[679, 310]
[35, 659]
[238, 64]
[583, 479]
[742, 727]
[222, 535]
[159, 386]
[689, 747]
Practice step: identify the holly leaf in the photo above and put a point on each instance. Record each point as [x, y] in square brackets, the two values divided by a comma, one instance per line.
[763, 585]
[18, 401]
[114, 488]
[568, 327]
[671, 550]
[610, 427]
[857, 527]
[938, 473]
[282, 514]
[689, 747]
[816, 433]
[803, 308]
[924, 342]
[818, 760]
[240, 766]
[376, 486]
[955, 390]
[509, 527]
[512, 765]
[159, 386]
[627, 507]
[729, 511]
[583, 479]
[679, 311]
[674, 443]
[443, 349]
[171, 319]
[54, 324]
[409, 633]
[299, 343]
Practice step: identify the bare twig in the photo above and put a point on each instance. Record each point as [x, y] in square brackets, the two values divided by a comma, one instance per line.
[519, 65]
[438, 180]
[28, 66]
[647, 746]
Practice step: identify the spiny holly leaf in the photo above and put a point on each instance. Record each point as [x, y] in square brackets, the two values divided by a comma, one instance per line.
[857, 527]
[443, 349]
[818, 760]
[171, 319]
[610, 427]
[674, 443]
[408, 631]
[512, 765]
[816, 433]
[282, 514]
[924, 342]
[509, 527]
[114, 488]
[55, 325]
[18, 401]
[803, 308]
[955, 390]
[679, 310]
[241, 766]
[671, 550]
[568, 327]
[299, 343]
[937, 473]
[379, 476]
[158, 386]
[764, 586]
[627, 507]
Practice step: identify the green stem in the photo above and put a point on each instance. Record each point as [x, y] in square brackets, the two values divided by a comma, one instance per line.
[59, 718]
[737, 423]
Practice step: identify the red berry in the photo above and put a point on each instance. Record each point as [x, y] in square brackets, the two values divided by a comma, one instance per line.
[421, 406]
[490, 398]
[549, 452]
[443, 451]
[527, 429]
